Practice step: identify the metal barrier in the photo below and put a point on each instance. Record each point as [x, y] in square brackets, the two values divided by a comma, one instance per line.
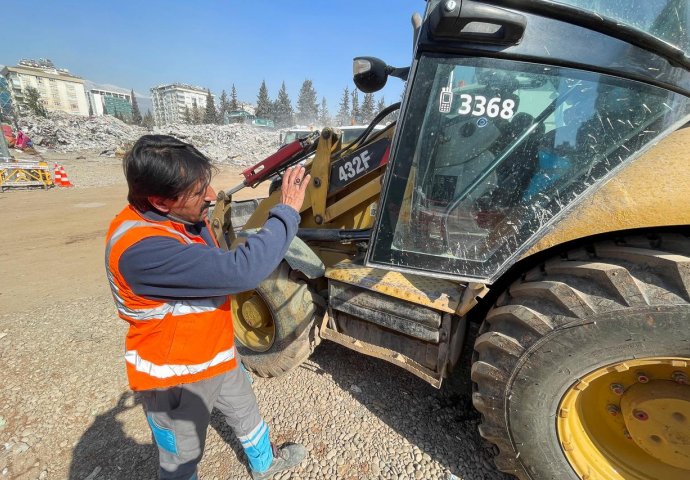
[25, 174]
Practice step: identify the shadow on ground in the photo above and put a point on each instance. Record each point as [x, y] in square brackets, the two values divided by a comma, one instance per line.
[441, 423]
[104, 451]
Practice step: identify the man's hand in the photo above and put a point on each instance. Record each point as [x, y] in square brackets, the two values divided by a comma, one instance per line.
[294, 185]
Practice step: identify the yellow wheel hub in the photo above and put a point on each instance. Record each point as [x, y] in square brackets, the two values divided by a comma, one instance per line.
[657, 415]
[253, 321]
[629, 421]
[255, 312]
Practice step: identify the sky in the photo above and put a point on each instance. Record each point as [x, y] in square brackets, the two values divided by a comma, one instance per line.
[214, 44]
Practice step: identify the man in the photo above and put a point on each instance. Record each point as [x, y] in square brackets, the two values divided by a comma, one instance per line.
[172, 284]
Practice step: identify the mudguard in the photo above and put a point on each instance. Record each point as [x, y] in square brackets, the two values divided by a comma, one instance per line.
[299, 256]
[302, 258]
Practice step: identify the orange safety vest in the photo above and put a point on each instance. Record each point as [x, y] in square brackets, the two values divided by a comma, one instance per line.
[168, 342]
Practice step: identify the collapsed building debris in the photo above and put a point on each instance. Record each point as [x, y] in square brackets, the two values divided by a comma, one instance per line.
[236, 144]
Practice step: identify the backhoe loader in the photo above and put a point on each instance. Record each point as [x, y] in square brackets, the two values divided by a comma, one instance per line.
[535, 185]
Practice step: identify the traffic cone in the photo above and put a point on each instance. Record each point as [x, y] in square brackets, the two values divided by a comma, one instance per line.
[64, 179]
[57, 176]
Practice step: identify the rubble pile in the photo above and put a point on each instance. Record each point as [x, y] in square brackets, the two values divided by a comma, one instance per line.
[236, 144]
[63, 132]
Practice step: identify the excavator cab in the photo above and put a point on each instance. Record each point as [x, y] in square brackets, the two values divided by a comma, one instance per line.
[502, 132]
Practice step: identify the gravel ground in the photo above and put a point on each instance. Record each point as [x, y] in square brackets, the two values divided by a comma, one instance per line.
[66, 411]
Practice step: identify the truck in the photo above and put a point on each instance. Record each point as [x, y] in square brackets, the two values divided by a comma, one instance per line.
[531, 201]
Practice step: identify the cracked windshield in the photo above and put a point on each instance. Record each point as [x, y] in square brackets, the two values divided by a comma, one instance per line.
[492, 151]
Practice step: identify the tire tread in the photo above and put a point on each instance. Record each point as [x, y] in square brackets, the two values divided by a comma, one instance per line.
[606, 277]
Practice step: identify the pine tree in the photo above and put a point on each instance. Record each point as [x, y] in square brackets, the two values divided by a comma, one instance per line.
[355, 113]
[32, 101]
[283, 109]
[210, 114]
[223, 108]
[136, 114]
[187, 117]
[307, 108]
[324, 115]
[380, 105]
[196, 115]
[234, 104]
[148, 121]
[368, 108]
[343, 117]
[264, 107]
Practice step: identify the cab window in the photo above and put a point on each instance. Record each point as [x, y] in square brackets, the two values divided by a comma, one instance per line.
[490, 153]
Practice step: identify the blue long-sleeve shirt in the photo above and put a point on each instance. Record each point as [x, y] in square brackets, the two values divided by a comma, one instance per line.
[162, 267]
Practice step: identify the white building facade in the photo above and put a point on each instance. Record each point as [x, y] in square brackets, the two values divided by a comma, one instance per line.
[108, 96]
[59, 90]
[171, 101]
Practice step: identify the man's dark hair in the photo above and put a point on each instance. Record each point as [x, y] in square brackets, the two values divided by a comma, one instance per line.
[163, 166]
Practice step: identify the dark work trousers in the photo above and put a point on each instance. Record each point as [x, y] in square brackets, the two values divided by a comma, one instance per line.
[179, 417]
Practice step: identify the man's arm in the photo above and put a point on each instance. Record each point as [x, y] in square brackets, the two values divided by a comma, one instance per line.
[162, 267]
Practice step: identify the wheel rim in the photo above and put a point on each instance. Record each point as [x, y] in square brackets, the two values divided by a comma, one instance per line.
[629, 421]
[253, 321]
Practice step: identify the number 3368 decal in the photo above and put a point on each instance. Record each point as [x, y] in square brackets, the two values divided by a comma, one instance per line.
[478, 106]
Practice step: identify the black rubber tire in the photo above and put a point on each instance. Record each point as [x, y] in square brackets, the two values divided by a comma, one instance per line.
[572, 315]
[294, 310]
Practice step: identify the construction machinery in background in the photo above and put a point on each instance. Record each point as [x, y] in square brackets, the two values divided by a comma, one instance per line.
[21, 173]
[532, 199]
[291, 134]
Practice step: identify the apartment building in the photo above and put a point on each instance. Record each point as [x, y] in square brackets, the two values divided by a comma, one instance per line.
[170, 101]
[59, 89]
[109, 99]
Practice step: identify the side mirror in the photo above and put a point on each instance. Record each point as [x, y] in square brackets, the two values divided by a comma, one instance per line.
[369, 74]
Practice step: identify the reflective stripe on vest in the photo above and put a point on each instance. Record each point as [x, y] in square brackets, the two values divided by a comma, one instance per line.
[167, 371]
[177, 308]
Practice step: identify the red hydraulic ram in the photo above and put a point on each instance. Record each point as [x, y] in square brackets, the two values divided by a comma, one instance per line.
[272, 164]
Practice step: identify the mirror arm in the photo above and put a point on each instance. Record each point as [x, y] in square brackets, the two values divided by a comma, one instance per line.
[400, 73]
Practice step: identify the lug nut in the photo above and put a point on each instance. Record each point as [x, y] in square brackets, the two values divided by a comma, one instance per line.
[613, 410]
[680, 377]
[641, 415]
[618, 389]
[642, 378]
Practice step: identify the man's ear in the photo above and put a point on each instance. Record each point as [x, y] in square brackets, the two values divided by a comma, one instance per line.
[161, 204]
